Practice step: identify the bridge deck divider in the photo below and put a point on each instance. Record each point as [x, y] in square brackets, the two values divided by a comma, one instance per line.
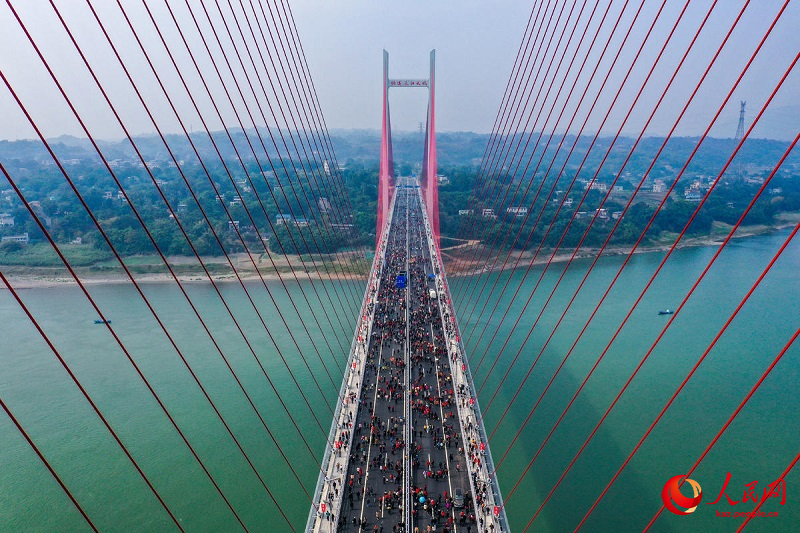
[407, 413]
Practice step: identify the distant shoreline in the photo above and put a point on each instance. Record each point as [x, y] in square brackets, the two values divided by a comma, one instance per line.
[467, 268]
[39, 281]
[146, 269]
[23, 277]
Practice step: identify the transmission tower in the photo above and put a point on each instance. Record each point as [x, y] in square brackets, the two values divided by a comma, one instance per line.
[739, 135]
[740, 128]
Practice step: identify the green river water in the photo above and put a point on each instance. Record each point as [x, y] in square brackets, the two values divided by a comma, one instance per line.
[764, 438]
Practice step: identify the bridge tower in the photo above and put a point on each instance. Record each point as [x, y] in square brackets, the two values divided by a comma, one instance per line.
[386, 177]
[386, 173]
[408, 257]
[429, 181]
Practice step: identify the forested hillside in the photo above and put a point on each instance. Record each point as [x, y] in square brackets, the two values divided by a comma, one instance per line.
[250, 200]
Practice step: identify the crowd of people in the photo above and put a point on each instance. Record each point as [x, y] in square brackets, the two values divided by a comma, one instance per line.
[406, 434]
[437, 450]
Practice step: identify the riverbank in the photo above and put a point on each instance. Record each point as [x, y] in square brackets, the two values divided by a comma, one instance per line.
[459, 260]
[471, 259]
[151, 269]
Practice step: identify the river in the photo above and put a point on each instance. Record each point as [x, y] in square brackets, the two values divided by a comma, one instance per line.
[756, 447]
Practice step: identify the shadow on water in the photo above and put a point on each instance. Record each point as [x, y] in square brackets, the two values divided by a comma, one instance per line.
[583, 483]
[737, 361]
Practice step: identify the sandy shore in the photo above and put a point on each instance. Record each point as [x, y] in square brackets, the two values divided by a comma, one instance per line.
[37, 281]
[459, 260]
[188, 270]
[460, 264]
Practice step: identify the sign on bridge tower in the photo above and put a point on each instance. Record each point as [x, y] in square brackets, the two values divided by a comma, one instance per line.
[386, 178]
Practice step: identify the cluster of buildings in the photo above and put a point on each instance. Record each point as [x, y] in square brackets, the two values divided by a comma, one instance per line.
[7, 221]
[520, 212]
[283, 219]
[514, 212]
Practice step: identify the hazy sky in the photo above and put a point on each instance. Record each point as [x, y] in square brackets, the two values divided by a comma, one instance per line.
[475, 41]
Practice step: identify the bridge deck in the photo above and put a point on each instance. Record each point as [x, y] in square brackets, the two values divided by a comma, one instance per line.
[399, 452]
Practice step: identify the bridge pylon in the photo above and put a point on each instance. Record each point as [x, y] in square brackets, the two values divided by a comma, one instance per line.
[428, 178]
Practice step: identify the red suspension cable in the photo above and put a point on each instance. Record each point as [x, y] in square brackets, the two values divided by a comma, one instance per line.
[585, 234]
[492, 222]
[498, 135]
[707, 351]
[646, 356]
[735, 413]
[577, 173]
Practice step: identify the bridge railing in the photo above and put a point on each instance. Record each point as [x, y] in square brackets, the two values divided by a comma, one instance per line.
[476, 441]
[331, 470]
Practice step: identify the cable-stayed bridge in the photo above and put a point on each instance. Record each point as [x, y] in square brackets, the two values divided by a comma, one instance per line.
[556, 380]
[408, 436]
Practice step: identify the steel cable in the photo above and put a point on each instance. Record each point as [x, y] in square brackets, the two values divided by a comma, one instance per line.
[661, 264]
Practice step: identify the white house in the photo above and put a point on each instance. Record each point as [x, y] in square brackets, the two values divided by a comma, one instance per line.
[22, 239]
[596, 186]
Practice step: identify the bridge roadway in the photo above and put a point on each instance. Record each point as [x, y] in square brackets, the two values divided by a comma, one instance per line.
[397, 455]
[405, 353]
